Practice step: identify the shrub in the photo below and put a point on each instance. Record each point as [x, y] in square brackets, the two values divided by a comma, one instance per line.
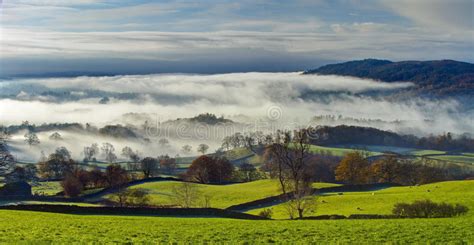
[131, 197]
[428, 209]
[266, 213]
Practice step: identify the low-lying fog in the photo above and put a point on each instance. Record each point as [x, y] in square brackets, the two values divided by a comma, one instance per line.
[286, 99]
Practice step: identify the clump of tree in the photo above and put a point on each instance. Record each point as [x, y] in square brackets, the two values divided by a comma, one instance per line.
[28, 173]
[115, 175]
[57, 165]
[186, 149]
[209, 118]
[90, 152]
[247, 172]
[108, 150]
[208, 169]
[149, 167]
[356, 135]
[428, 209]
[7, 161]
[355, 168]
[31, 139]
[202, 148]
[55, 136]
[129, 153]
[167, 164]
[250, 140]
[72, 186]
[127, 197]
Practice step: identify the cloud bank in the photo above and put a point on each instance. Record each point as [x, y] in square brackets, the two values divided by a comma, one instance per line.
[237, 95]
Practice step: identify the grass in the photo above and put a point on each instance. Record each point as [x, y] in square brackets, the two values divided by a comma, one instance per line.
[426, 152]
[465, 158]
[81, 204]
[36, 227]
[49, 188]
[222, 196]
[382, 201]
[336, 151]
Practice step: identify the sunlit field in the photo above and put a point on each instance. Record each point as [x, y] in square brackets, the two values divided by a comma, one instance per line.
[23, 226]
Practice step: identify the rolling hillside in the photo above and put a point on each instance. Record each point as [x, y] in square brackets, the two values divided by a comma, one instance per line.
[382, 201]
[432, 78]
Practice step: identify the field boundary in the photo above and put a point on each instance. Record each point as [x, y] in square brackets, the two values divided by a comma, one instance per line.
[132, 211]
[273, 200]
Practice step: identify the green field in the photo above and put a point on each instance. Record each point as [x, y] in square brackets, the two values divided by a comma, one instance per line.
[467, 158]
[25, 226]
[222, 196]
[49, 188]
[337, 151]
[382, 201]
[426, 152]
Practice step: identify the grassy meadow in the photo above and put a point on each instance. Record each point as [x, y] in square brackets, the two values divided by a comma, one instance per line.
[382, 201]
[37, 227]
[222, 196]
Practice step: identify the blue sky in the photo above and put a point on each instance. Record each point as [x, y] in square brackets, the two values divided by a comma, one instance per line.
[121, 36]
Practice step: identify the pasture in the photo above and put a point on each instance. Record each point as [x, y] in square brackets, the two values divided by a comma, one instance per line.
[25, 227]
[222, 196]
[382, 201]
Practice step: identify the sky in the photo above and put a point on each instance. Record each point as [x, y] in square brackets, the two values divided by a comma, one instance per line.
[74, 37]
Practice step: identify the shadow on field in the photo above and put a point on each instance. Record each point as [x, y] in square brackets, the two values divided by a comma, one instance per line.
[134, 211]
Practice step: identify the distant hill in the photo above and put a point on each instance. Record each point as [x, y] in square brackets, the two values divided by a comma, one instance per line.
[205, 118]
[432, 78]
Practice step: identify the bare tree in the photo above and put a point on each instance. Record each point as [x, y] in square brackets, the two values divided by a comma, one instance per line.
[90, 152]
[109, 152]
[289, 160]
[185, 194]
[7, 161]
[288, 156]
[301, 203]
[4, 134]
[121, 196]
[130, 154]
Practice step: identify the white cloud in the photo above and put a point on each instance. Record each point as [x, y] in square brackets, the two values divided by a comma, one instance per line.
[437, 14]
[300, 97]
[368, 41]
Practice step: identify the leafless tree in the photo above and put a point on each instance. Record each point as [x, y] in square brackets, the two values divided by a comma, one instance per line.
[301, 203]
[185, 194]
[109, 152]
[90, 152]
[127, 152]
[7, 161]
